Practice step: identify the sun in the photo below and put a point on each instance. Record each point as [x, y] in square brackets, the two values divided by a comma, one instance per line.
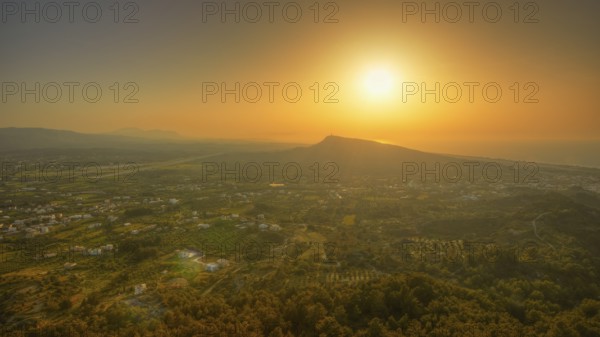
[379, 82]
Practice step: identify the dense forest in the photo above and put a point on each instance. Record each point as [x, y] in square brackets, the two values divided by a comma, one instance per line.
[398, 305]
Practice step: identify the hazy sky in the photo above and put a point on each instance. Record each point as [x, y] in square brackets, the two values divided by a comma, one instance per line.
[372, 60]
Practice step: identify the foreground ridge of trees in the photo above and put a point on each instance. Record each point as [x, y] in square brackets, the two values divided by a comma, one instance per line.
[398, 305]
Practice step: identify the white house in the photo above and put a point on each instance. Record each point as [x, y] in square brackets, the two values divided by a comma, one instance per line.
[140, 289]
[211, 267]
[203, 226]
[94, 251]
[187, 254]
[263, 226]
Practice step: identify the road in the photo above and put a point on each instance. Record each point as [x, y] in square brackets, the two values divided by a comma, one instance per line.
[535, 229]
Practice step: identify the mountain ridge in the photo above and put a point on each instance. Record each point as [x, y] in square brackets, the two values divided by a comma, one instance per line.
[147, 134]
[365, 155]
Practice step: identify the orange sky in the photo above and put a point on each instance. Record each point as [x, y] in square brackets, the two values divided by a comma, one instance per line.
[170, 53]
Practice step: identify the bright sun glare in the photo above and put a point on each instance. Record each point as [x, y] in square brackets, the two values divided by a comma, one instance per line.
[379, 82]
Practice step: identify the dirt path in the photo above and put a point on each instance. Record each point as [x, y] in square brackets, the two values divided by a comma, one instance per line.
[535, 229]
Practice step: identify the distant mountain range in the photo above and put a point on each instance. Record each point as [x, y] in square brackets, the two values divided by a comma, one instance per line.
[360, 156]
[15, 139]
[149, 134]
[131, 139]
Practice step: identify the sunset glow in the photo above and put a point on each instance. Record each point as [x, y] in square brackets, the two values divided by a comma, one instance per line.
[331, 168]
[379, 83]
